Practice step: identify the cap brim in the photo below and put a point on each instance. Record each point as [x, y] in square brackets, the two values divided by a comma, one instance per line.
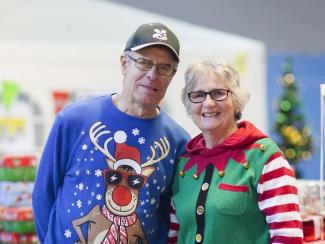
[153, 44]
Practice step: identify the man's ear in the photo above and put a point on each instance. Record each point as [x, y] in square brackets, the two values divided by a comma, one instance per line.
[123, 62]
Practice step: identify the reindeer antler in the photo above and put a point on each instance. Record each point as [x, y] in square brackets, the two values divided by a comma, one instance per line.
[163, 147]
[95, 132]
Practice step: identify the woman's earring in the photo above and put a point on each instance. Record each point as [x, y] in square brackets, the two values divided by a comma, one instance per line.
[238, 115]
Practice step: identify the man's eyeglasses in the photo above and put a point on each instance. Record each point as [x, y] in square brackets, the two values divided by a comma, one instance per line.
[113, 177]
[216, 95]
[165, 70]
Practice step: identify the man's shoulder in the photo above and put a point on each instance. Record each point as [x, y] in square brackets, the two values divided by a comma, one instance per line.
[84, 107]
[172, 124]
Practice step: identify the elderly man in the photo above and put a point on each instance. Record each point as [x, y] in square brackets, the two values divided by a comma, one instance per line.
[106, 169]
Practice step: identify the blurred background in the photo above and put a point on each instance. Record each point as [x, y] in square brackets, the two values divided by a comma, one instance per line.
[56, 52]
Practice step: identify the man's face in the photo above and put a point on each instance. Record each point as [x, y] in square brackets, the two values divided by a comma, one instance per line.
[146, 88]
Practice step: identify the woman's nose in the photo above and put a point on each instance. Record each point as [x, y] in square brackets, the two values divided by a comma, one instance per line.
[208, 101]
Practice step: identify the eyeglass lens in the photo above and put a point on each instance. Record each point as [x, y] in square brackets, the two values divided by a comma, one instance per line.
[113, 177]
[200, 96]
[146, 64]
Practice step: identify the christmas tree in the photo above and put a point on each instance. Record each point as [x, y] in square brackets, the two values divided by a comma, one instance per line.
[294, 136]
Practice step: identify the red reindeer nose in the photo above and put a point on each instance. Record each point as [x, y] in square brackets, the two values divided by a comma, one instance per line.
[121, 195]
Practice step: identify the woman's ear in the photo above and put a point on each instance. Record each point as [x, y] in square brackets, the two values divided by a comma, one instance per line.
[123, 64]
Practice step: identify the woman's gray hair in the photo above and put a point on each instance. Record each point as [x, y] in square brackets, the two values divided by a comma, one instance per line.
[201, 67]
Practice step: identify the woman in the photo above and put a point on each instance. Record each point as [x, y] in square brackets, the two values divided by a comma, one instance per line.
[233, 185]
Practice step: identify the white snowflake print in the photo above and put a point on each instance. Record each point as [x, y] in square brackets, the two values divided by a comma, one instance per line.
[147, 185]
[69, 210]
[135, 131]
[162, 189]
[145, 210]
[98, 172]
[98, 197]
[152, 201]
[78, 159]
[77, 172]
[84, 147]
[82, 214]
[88, 172]
[97, 184]
[75, 193]
[92, 193]
[147, 215]
[91, 151]
[85, 159]
[89, 202]
[79, 204]
[142, 203]
[67, 233]
[81, 187]
[91, 159]
[171, 161]
[141, 140]
[155, 181]
[82, 132]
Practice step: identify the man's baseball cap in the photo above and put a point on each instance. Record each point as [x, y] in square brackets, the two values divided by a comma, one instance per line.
[153, 34]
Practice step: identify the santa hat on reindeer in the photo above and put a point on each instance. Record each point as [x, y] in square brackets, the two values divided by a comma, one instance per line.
[125, 154]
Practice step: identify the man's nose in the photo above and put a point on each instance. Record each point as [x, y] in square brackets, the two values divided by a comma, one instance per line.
[153, 72]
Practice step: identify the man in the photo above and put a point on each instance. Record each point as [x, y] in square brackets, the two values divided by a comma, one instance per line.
[107, 166]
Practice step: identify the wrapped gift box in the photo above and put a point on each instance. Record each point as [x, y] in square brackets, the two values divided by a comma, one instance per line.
[309, 197]
[17, 193]
[18, 220]
[18, 168]
[313, 228]
[17, 214]
[15, 238]
[18, 161]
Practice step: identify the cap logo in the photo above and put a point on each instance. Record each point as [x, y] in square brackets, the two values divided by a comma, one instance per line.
[160, 34]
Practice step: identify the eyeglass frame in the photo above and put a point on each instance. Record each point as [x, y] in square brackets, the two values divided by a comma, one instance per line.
[173, 66]
[206, 93]
[124, 175]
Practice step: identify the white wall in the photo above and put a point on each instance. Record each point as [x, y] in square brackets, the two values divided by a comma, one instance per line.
[79, 51]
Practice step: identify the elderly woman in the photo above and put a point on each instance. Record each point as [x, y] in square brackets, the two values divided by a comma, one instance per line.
[233, 185]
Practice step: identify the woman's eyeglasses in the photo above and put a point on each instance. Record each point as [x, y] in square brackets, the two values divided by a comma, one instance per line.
[216, 95]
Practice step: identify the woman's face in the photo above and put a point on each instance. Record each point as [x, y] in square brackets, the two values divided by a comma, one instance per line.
[211, 116]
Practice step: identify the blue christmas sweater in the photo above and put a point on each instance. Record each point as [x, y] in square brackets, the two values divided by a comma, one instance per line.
[105, 176]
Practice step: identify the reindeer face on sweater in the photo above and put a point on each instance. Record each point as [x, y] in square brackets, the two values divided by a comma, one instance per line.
[123, 185]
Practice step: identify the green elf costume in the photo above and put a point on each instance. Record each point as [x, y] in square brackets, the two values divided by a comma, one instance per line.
[241, 191]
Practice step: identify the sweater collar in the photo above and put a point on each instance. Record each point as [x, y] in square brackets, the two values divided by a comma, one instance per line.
[233, 146]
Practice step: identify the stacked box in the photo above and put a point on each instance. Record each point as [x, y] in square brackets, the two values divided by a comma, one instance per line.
[17, 174]
[311, 210]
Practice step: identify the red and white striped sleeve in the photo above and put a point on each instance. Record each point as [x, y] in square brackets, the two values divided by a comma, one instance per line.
[173, 226]
[278, 200]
